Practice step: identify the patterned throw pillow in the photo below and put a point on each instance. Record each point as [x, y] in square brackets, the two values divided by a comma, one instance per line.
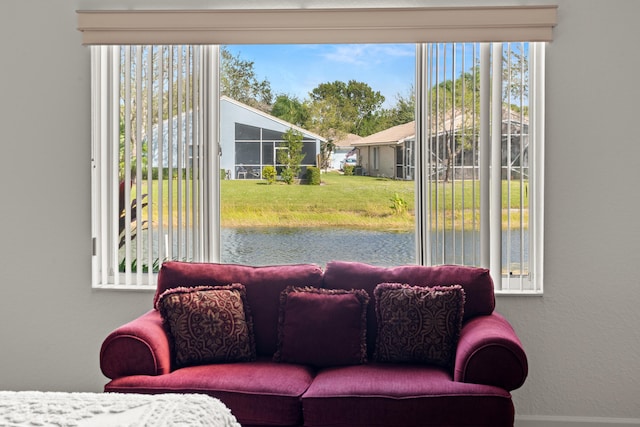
[208, 324]
[322, 327]
[418, 324]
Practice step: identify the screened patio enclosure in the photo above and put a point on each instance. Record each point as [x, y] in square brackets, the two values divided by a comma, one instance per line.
[250, 140]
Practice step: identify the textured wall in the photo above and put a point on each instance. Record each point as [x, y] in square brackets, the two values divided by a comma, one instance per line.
[582, 337]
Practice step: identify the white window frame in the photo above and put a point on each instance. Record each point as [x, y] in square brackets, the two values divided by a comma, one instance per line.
[384, 25]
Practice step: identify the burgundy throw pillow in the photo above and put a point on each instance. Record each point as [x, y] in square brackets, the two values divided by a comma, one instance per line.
[322, 327]
[418, 324]
[208, 324]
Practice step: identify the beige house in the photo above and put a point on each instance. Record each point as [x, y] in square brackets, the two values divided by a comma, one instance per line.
[389, 153]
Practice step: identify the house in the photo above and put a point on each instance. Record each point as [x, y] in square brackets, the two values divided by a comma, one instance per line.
[389, 153]
[250, 140]
[582, 336]
[344, 147]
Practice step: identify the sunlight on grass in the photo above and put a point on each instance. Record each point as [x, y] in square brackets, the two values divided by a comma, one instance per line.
[359, 202]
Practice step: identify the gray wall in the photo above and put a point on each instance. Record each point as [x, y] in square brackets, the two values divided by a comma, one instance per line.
[582, 337]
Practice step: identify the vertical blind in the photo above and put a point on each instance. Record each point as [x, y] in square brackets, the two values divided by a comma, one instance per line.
[149, 159]
[478, 175]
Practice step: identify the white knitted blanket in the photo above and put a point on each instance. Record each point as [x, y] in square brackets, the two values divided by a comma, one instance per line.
[57, 409]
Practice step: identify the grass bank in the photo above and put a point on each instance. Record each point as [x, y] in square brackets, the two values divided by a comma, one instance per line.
[344, 201]
[350, 201]
[341, 201]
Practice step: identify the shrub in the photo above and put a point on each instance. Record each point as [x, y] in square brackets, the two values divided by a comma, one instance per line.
[348, 169]
[313, 175]
[269, 173]
[399, 205]
[287, 176]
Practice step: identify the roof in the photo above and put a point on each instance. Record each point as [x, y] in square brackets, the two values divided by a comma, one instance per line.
[446, 123]
[348, 141]
[401, 133]
[393, 135]
[270, 117]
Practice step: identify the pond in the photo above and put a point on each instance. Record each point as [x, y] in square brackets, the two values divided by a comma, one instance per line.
[260, 246]
[283, 245]
[263, 246]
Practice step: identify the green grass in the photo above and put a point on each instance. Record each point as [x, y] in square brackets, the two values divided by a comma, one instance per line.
[341, 201]
[345, 201]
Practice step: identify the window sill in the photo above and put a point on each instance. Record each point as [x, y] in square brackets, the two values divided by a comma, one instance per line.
[513, 293]
[142, 288]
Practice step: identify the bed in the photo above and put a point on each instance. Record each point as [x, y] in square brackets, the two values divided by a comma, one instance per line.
[58, 409]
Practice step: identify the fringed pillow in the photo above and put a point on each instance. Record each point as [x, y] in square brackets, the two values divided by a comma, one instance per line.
[418, 324]
[322, 327]
[208, 324]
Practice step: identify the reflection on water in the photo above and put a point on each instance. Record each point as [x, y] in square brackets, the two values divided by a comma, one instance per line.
[264, 246]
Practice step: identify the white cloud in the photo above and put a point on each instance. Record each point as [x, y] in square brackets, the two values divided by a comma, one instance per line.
[366, 54]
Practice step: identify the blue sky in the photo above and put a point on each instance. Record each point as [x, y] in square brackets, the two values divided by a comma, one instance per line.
[297, 69]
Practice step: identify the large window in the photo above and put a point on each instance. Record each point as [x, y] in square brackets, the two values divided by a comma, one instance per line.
[478, 153]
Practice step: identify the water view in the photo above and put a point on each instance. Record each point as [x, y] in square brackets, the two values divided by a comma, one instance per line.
[263, 246]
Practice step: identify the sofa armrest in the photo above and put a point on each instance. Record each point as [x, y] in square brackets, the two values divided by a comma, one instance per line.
[489, 352]
[140, 347]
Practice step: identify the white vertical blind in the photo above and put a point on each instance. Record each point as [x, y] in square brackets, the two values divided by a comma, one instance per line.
[479, 176]
[148, 173]
[495, 211]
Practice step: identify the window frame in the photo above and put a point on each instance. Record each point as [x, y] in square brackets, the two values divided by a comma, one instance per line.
[359, 25]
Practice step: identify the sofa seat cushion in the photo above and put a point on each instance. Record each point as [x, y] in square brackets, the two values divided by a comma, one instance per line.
[258, 393]
[394, 395]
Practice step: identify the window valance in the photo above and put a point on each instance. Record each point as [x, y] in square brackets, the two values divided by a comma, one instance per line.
[284, 26]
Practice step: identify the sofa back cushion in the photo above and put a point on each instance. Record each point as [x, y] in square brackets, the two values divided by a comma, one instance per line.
[322, 327]
[476, 282]
[208, 324]
[263, 287]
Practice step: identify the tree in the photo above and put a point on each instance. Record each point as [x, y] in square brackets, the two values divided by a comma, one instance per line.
[515, 74]
[405, 108]
[290, 109]
[401, 113]
[345, 107]
[291, 157]
[456, 129]
[238, 81]
[326, 149]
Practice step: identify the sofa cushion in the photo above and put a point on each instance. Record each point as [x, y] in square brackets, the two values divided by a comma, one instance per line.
[391, 395]
[418, 324]
[208, 324]
[476, 282]
[321, 327]
[263, 286]
[260, 393]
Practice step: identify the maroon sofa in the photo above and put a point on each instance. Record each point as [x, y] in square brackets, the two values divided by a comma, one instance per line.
[488, 360]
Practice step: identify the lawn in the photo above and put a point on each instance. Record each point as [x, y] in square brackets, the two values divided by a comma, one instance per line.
[340, 201]
[360, 202]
